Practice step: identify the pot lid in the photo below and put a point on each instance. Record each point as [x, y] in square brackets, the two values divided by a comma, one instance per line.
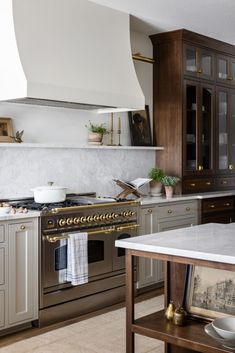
[50, 186]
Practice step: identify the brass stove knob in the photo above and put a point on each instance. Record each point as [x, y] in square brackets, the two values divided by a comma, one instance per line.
[76, 220]
[114, 215]
[96, 217]
[125, 213]
[62, 222]
[106, 216]
[83, 219]
[132, 213]
[102, 217]
[89, 219]
[69, 221]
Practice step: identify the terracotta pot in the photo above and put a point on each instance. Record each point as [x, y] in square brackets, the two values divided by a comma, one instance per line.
[169, 191]
[94, 137]
[155, 188]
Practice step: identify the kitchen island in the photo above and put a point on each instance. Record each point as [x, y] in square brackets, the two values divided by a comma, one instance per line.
[209, 245]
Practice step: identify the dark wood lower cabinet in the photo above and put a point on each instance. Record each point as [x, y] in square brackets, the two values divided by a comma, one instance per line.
[218, 210]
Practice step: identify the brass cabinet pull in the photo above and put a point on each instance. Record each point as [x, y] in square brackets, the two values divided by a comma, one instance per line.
[227, 204]
[230, 166]
[188, 208]
[169, 211]
[208, 183]
[22, 227]
[230, 78]
[212, 206]
[224, 182]
[133, 226]
[192, 184]
[200, 167]
[150, 211]
[199, 71]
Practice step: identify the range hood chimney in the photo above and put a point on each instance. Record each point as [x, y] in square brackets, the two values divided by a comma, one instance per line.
[70, 53]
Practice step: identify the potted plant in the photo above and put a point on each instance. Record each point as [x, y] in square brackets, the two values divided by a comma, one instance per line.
[169, 182]
[156, 175]
[96, 132]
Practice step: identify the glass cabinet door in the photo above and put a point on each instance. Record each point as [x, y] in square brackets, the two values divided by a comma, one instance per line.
[191, 126]
[198, 62]
[232, 132]
[206, 68]
[205, 125]
[232, 71]
[222, 68]
[223, 129]
[191, 59]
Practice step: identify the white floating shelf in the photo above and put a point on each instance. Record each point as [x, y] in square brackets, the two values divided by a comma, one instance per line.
[58, 145]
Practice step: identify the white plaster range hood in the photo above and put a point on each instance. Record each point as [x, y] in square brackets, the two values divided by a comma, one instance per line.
[74, 53]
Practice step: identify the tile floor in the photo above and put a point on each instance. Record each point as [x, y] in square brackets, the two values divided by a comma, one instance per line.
[100, 334]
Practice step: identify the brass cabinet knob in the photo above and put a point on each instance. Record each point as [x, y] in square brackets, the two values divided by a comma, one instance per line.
[169, 211]
[199, 71]
[224, 182]
[22, 227]
[150, 211]
[208, 183]
[193, 184]
[200, 167]
[212, 206]
[230, 78]
[230, 166]
[227, 204]
[188, 208]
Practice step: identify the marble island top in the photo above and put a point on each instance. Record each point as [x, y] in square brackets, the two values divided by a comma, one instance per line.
[213, 242]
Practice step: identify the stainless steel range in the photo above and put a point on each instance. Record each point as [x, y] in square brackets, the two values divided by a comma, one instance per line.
[104, 222]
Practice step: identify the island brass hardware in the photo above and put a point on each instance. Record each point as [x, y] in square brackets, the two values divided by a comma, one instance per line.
[187, 208]
[212, 206]
[199, 71]
[208, 183]
[169, 211]
[78, 208]
[139, 57]
[150, 211]
[224, 182]
[227, 204]
[230, 78]
[192, 184]
[230, 166]
[130, 226]
[200, 167]
[22, 227]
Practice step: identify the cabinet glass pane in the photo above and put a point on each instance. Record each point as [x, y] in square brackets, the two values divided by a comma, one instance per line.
[191, 60]
[233, 69]
[206, 64]
[223, 69]
[233, 127]
[223, 130]
[206, 117]
[191, 132]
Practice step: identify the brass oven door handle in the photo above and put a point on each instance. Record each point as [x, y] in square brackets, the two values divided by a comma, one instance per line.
[130, 226]
[55, 238]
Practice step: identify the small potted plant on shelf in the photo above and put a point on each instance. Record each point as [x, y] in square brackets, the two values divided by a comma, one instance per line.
[169, 182]
[96, 132]
[156, 175]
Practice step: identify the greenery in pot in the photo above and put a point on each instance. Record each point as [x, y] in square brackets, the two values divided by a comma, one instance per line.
[97, 128]
[169, 180]
[156, 174]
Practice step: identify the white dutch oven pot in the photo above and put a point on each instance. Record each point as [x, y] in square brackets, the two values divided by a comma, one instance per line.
[49, 193]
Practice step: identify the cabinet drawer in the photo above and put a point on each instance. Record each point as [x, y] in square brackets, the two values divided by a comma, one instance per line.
[2, 309]
[223, 183]
[176, 210]
[217, 204]
[2, 234]
[2, 265]
[195, 185]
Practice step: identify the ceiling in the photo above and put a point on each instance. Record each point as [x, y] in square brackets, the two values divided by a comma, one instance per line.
[214, 18]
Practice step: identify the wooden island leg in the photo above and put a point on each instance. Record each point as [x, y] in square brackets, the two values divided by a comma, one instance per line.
[130, 339]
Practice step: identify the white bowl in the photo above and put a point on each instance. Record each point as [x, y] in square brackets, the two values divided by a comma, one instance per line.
[225, 327]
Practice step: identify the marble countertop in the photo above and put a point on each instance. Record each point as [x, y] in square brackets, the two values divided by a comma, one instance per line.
[213, 242]
[9, 217]
[188, 197]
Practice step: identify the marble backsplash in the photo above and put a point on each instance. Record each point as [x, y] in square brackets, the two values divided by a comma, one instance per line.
[80, 170]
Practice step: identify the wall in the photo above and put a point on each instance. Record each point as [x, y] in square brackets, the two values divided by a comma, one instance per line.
[80, 169]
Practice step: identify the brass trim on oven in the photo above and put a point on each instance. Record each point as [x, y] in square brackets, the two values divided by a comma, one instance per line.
[52, 238]
[107, 204]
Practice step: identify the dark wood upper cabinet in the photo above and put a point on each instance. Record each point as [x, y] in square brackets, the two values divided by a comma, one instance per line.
[194, 109]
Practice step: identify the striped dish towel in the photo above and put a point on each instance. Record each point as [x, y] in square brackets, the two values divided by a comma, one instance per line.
[77, 260]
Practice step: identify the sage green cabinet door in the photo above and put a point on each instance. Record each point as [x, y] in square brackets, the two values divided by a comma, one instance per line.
[2, 266]
[176, 224]
[2, 309]
[22, 262]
